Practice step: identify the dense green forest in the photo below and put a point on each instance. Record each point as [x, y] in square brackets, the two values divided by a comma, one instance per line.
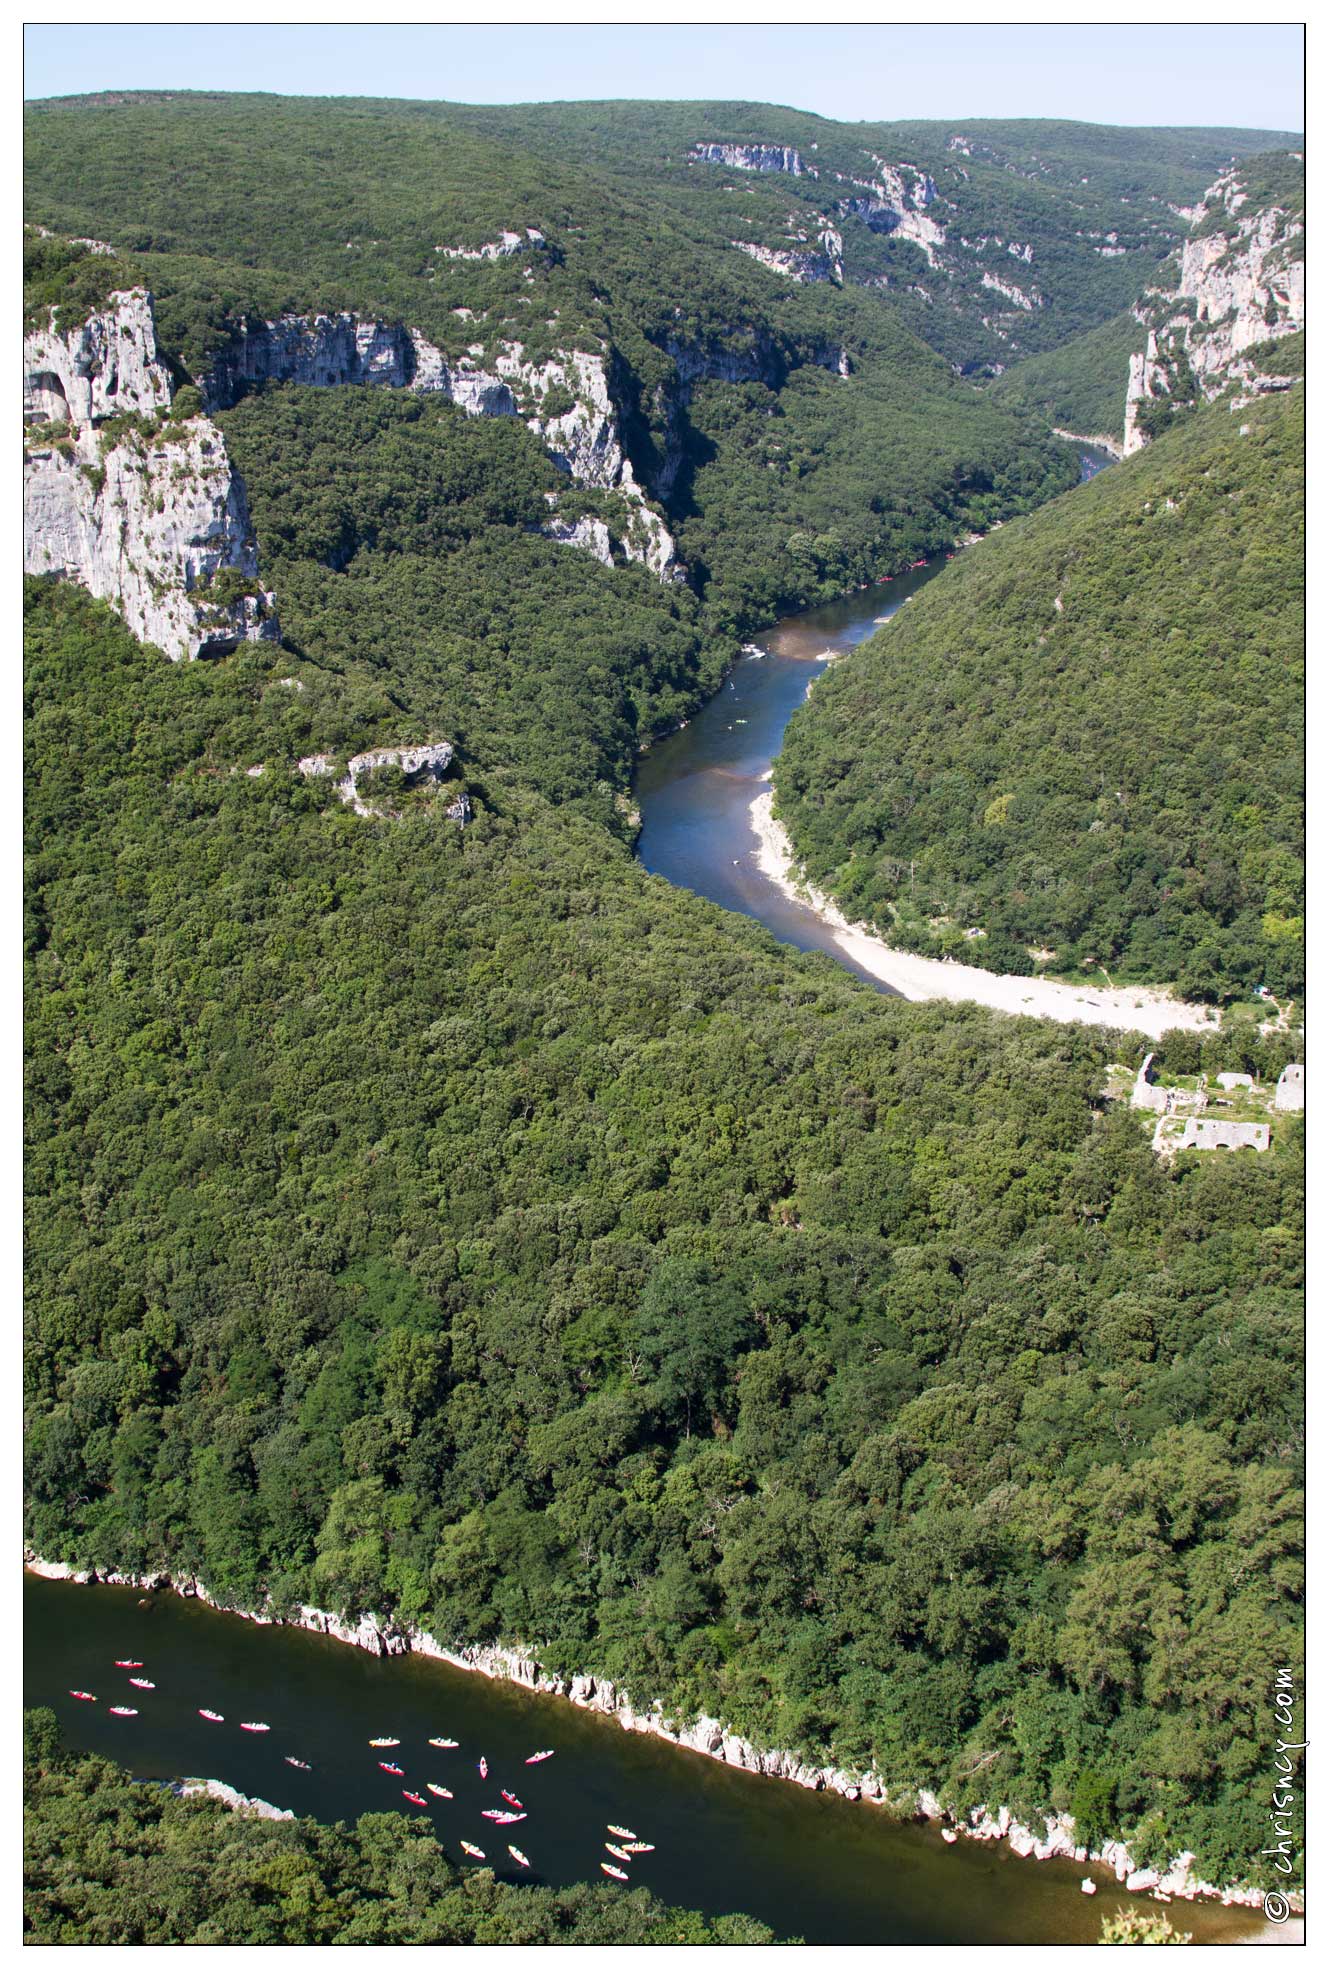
[1088, 735]
[456, 1223]
[461, 1224]
[111, 1860]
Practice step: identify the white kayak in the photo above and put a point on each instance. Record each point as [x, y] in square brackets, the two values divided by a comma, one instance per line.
[618, 1852]
[257, 1728]
[118, 1709]
[212, 1715]
[620, 1832]
[539, 1757]
[476, 1852]
[444, 1743]
[138, 1682]
[519, 1856]
[614, 1872]
[384, 1743]
[439, 1791]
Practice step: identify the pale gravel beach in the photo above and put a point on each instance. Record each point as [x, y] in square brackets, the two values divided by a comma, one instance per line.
[1129, 1008]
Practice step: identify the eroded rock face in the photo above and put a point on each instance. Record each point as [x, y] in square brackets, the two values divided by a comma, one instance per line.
[587, 533]
[148, 524]
[753, 157]
[417, 762]
[795, 263]
[897, 204]
[1231, 294]
[147, 528]
[236, 1801]
[584, 440]
[108, 366]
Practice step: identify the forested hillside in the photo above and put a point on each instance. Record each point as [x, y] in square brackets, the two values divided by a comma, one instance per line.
[450, 1221]
[1088, 735]
[108, 1861]
[464, 1225]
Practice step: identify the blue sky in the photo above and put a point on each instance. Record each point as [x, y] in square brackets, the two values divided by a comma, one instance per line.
[1246, 76]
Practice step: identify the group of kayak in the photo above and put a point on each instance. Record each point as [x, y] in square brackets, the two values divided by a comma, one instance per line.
[511, 1813]
[514, 1813]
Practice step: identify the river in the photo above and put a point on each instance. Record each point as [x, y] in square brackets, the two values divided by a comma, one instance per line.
[695, 788]
[807, 1864]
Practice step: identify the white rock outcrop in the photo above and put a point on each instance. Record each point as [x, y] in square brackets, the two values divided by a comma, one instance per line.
[1015, 295]
[591, 534]
[1236, 287]
[753, 157]
[794, 263]
[106, 367]
[236, 1801]
[417, 762]
[146, 528]
[896, 203]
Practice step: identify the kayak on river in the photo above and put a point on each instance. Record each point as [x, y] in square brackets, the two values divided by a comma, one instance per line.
[539, 1757]
[476, 1852]
[129, 1664]
[438, 1790]
[416, 1799]
[81, 1695]
[118, 1709]
[299, 1764]
[512, 1799]
[484, 1767]
[257, 1728]
[620, 1832]
[444, 1743]
[519, 1856]
[638, 1846]
[212, 1715]
[614, 1872]
[138, 1682]
[394, 1769]
[617, 1852]
[384, 1743]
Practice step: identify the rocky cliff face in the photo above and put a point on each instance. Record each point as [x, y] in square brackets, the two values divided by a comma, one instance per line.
[1236, 287]
[150, 527]
[157, 525]
[106, 368]
[753, 157]
[584, 440]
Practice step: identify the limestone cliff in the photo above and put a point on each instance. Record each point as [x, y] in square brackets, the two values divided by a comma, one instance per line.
[753, 157]
[1239, 282]
[106, 368]
[146, 514]
[159, 527]
[584, 438]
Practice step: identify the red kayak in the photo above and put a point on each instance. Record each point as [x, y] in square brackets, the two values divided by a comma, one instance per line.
[416, 1799]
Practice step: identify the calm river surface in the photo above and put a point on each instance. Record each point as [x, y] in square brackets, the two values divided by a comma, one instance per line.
[807, 1864]
[695, 788]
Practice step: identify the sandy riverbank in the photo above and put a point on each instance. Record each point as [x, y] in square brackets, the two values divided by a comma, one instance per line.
[1129, 1008]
